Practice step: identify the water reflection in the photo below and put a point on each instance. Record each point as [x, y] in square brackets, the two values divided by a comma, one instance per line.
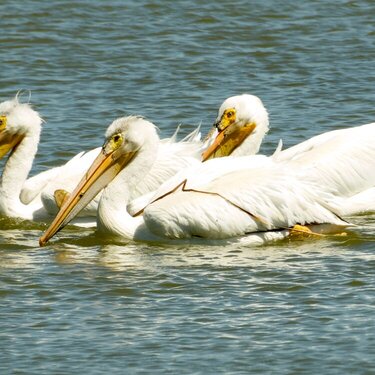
[277, 255]
[78, 245]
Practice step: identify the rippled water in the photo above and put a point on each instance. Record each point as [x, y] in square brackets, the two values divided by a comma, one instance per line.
[85, 304]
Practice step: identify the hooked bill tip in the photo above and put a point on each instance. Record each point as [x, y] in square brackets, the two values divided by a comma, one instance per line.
[42, 241]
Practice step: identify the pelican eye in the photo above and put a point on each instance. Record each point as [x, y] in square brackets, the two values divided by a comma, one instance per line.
[3, 122]
[230, 114]
[117, 140]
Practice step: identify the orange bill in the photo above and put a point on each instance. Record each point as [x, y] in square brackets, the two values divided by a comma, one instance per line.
[8, 142]
[227, 141]
[102, 171]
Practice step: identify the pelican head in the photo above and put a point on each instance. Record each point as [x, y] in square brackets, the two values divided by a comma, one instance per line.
[17, 120]
[125, 138]
[242, 121]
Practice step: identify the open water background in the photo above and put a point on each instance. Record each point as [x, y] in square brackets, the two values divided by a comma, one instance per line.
[85, 305]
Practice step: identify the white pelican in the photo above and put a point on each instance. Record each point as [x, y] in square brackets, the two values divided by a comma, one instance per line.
[343, 161]
[222, 198]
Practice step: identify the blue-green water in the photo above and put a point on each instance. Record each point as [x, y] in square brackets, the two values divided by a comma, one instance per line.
[83, 305]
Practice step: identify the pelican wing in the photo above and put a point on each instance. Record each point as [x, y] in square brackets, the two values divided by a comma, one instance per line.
[342, 161]
[238, 203]
[35, 185]
[196, 175]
